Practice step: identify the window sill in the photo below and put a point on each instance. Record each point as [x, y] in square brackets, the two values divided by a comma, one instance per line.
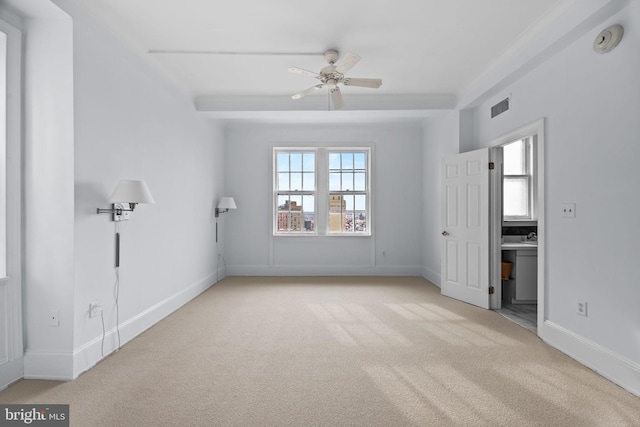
[322, 235]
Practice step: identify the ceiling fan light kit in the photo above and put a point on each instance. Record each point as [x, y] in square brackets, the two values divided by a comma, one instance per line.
[332, 75]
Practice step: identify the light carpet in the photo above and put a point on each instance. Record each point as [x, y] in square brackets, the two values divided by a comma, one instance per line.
[335, 351]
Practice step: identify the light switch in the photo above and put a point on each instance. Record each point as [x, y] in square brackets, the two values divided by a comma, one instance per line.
[568, 210]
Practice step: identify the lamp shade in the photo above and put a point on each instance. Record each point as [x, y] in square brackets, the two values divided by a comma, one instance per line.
[227, 203]
[129, 191]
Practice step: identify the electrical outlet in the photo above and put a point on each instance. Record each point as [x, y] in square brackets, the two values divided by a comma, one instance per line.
[582, 307]
[94, 310]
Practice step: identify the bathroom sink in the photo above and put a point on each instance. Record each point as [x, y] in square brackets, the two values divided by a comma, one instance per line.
[519, 245]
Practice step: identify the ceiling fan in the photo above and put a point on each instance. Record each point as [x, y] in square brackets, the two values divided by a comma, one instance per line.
[332, 75]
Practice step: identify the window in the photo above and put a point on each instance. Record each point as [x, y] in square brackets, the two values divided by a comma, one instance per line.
[347, 191]
[295, 184]
[321, 191]
[517, 188]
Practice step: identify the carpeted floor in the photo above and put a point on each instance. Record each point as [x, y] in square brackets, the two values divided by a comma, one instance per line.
[338, 351]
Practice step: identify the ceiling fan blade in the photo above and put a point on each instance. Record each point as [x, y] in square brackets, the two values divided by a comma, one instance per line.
[348, 62]
[336, 97]
[303, 72]
[308, 91]
[373, 83]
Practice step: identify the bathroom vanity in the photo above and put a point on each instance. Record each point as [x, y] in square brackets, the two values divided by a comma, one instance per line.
[522, 285]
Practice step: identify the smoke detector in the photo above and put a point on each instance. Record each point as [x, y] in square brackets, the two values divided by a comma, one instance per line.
[608, 39]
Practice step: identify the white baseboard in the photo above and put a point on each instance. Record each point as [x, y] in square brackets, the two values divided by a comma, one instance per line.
[48, 366]
[221, 273]
[11, 372]
[323, 270]
[68, 366]
[431, 276]
[606, 363]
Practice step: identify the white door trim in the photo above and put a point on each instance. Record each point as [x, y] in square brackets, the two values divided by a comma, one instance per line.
[11, 359]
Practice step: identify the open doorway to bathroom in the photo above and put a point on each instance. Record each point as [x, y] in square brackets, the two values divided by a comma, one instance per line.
[517, 226]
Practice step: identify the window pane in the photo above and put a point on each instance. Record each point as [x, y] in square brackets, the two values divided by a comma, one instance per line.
[514, 158]
[308, 203]
[360, 202]
[335, 222]
[308, 209]
[296, 181]
[360, 160]
[336, 206]
[296, 162]
[347, 224]
[283, 162]
[347, 160]
[336, 203]
[347, 181]
[515, 197]
[360, 221]
[334, 160]
[283, 202]
[308, 182]
[334, 181]
[309, 162]
[348, 202]
[360, 182]
[283, 221]
[283, 181]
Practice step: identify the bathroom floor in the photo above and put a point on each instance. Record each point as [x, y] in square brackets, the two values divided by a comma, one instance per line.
[525, 315]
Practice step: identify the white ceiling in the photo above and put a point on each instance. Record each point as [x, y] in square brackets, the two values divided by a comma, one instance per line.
[417, 47]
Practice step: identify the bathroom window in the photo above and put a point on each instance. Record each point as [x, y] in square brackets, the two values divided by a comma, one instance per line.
[517, 189]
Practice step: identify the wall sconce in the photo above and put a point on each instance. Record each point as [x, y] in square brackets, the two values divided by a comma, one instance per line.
[127, 192]
[225, 204]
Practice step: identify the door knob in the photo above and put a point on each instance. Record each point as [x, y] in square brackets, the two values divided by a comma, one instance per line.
[444, 233]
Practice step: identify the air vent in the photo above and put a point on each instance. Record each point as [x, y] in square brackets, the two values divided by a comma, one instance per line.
[500, 107]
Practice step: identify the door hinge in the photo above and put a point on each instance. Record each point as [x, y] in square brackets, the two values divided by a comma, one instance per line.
[492, 165]
[491, 290]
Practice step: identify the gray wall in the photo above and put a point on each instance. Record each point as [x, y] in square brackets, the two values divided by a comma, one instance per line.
[250, 247]
[591, 107]
[96, 113]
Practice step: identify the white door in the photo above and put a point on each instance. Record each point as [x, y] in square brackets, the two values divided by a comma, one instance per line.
[465, 227]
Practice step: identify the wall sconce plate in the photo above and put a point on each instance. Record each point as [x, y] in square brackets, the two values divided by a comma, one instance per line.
[123, 215]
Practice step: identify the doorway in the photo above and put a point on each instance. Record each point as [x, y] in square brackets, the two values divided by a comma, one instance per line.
[518, 236]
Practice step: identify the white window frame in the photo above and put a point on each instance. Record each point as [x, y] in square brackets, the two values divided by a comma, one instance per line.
[348, 192]
[530, 166]
[294, 192]
[321, 193]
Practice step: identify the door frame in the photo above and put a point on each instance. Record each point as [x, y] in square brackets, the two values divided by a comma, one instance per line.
[535, 129]
[11, 363]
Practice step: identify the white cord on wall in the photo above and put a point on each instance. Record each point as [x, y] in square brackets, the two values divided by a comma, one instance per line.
[116, 291]
[116, 295]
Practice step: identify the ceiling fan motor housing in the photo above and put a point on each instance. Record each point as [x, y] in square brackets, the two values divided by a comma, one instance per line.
[331, 56]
